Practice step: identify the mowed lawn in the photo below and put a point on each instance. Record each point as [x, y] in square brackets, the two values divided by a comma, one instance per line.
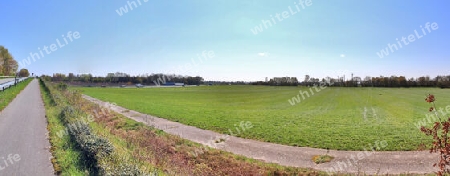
[335, 118]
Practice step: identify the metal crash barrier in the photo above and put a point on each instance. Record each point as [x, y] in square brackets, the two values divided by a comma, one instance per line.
[9, 84]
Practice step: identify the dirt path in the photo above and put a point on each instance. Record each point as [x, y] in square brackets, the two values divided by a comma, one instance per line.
[24, 146]
[368, 162]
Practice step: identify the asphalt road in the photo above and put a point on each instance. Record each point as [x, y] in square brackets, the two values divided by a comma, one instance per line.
[6, 80]
[24, 145]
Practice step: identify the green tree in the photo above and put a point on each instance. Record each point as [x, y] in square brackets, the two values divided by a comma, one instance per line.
[8, 66]
[24, 73]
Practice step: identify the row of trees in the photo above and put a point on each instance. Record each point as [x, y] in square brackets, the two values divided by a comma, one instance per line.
[161, 79]
[396, 81]
[381, 81]
[8, 66]
[124, 78]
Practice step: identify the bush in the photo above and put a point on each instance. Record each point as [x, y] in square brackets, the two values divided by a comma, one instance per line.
[62, 86]
[67, 113]
[93, 146]
[96, 146]
[440, 134]
[79, 128]
[120, 169]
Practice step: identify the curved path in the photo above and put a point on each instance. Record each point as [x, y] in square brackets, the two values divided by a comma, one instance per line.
[24, 145]
[368, 162]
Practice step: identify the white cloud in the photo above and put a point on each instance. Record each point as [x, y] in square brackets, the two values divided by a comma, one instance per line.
[342, 55]
[265, 54]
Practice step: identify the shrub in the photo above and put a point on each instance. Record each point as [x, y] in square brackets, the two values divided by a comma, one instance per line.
[79, 128]
[62, 86]
[119, 169]
[96, 146]
[441, 143]
[67, 113]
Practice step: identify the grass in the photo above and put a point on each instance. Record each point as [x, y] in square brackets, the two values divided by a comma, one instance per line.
[174, 155]
[67, 158]
[123, 149]
[9, 94]
[335, 118]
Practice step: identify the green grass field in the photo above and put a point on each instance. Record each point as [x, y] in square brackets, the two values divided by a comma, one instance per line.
[335, 118]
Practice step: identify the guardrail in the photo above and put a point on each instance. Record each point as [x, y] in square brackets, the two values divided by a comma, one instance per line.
[9, 84]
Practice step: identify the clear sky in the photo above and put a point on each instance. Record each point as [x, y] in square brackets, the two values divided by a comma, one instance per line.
[320, 38]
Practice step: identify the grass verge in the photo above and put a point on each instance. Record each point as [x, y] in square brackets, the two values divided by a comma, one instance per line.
[79, 149]
[67, 158]
[9, 94]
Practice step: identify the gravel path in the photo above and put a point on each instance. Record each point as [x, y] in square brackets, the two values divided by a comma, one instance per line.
[368, 162]
[24, 145]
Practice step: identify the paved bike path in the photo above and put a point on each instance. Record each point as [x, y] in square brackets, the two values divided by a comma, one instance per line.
[24, 144]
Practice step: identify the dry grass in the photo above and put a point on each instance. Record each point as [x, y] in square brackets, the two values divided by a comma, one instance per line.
[318, 159]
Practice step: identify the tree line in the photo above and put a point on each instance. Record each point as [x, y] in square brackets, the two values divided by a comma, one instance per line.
[380, 81]
[124, 78]
[161, 79]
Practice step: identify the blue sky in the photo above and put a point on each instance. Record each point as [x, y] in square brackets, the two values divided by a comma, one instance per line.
[326, 38]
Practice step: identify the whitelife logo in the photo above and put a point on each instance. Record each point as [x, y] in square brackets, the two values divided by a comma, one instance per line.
[411, 38]
[71, 36]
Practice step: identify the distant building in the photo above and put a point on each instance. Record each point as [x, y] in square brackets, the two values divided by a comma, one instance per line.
[285, 80]
[173, 84]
